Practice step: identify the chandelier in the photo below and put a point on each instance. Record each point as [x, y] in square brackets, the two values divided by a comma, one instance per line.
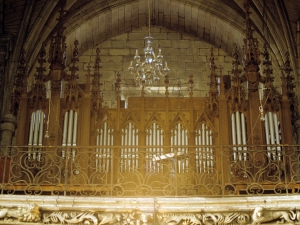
[152, 68]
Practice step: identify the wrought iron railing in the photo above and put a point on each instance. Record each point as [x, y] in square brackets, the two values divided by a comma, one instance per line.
[180, 171]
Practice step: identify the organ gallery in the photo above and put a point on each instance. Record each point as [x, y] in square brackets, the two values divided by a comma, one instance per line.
[169, 130]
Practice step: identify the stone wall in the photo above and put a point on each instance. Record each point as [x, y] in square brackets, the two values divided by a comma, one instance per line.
[185, 55]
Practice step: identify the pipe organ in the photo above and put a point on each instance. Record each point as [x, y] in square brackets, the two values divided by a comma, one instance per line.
[239, 135]
[196, 138]
[70, 124]
[205, 155]
[273, 136]
[154, 138]
[104, 139]
[36, 134]
[186, 136]
[130, 152]
[179, 137]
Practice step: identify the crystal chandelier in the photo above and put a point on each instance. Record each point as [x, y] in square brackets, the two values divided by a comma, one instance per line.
[150, 70]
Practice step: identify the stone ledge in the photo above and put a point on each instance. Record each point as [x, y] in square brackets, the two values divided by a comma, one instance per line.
[148, 210]
[161, 204]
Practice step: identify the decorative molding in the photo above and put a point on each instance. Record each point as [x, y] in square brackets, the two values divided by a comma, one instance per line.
[149, 211]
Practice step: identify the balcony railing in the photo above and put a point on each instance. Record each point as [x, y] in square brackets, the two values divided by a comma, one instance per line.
[150, 171]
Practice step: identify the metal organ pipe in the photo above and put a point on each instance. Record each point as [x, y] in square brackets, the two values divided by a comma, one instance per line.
[154, 134]
[271, 128]
[70, 126]
[267, 134]
[124, 150]
[101, 140]
[272, 134]
[244, 139]
[130, 134]
[104, 140]
[102, 144]
[238, 128]
[97, 149]
[127, 149]
[276, 128]
[149, 150]
[202, 150]
[132, 155]
[243, 123]
[66, 119]
[104, 137]
[31, 129]
[211, 150]
[183, 135]
[41, 130]
[207, 148]
[36, 127]
[136, 155]
[75, 128]
[198, 152]
[109, 138]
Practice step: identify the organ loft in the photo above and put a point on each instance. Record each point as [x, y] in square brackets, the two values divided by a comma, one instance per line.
[85, 141]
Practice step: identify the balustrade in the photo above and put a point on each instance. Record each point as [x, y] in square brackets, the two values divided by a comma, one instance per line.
[58, 173]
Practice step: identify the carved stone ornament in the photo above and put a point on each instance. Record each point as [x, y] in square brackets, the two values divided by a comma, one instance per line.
[33, 214]
[261, 215]
[22, 214]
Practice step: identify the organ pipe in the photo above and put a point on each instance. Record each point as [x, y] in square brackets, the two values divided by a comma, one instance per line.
[41, 130]
[75, 128]
[271, 128]
[36, 127]
[31, 129]
[65, 129]
[70, 126]
[97, 149]
[178, 136]
[244, 139]
[238, 128]
[207, 149]
[267, 134]
[104, 134]
[272, 135]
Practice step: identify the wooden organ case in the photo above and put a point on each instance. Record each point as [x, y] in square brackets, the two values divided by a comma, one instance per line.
[236, 140]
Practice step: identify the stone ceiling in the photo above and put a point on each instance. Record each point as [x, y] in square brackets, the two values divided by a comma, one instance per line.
[217, 22]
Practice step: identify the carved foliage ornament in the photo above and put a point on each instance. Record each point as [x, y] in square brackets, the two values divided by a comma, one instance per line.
[32, 214]
[22, 214]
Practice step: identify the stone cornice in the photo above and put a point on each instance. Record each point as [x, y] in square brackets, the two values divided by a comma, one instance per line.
[149, 210]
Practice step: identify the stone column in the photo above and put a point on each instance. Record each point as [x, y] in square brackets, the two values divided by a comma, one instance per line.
[8, 125]
[6, 47]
